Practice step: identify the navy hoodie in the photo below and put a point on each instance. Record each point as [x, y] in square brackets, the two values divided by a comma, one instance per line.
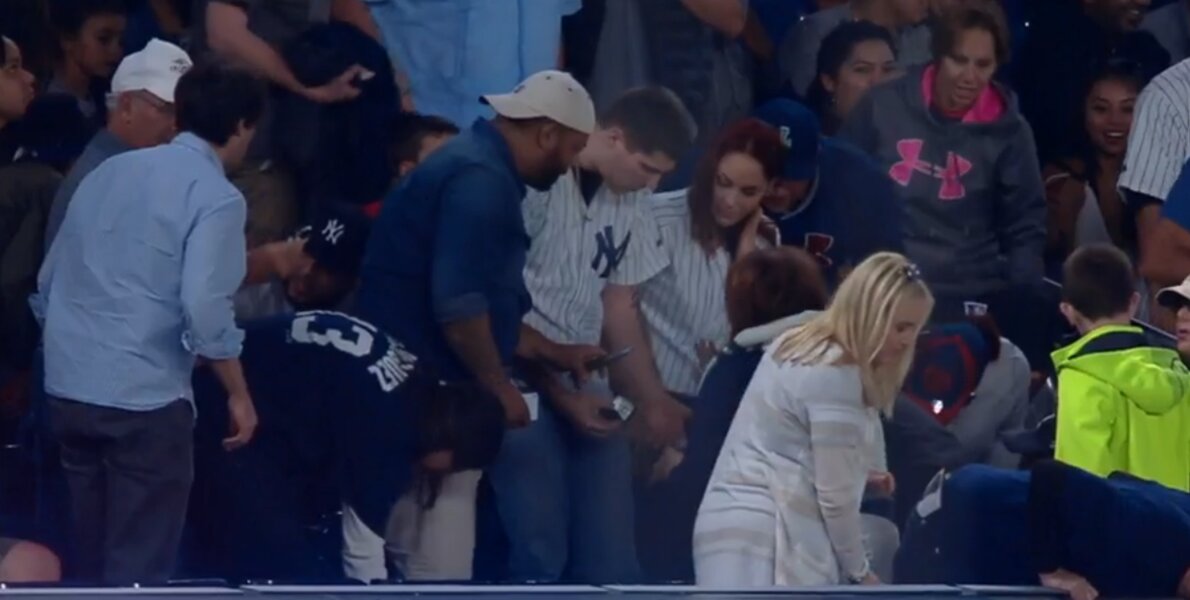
[970, 187]
[331, 393]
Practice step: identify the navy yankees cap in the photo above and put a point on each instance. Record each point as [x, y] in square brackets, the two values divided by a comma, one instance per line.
[336, 240]
[799, 132]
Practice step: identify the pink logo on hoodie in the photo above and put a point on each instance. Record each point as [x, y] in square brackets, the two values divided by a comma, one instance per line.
[951, 174]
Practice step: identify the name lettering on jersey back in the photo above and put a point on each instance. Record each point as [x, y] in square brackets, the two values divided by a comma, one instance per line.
[394, 368]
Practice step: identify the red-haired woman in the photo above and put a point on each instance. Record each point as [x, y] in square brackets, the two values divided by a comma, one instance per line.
[703, 229]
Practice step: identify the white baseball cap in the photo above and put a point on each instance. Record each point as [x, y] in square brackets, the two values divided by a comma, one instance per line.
[553, 95]
[1175, 296]
[155, 69]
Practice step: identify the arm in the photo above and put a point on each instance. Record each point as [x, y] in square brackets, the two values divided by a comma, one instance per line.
[277, 260]
[470, 245]
[797, 58]
[840, 473]
[636, 375]
[229, 36]
[728, 17]
[1086, 417]
[213, 267]
[1065, 196]
[1020, 210]
[1164, 237]
[356, 13]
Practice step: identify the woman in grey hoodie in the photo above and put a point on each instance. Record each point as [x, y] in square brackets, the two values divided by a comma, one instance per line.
[963, 159]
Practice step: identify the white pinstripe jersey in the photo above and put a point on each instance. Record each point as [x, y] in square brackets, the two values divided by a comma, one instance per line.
[1160, 140]
[577, 249]
[685, 303]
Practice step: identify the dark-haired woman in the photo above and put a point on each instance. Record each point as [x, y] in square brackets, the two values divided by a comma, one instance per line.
[853, 58]
[1084, 201]
[89, 49]
[963, 162]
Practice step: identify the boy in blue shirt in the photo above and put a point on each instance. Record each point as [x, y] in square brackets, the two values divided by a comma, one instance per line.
[349, 421]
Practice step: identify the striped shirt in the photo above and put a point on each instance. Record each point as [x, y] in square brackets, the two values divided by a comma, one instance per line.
[1160, 140]
[577, 248]
[684, 304]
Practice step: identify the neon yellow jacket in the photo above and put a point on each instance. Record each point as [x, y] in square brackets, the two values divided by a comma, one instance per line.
[1124, 405]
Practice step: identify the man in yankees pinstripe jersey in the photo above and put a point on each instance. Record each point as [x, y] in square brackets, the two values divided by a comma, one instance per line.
[562, 486]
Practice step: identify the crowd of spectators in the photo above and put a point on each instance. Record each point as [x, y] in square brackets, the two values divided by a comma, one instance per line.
[471, 290]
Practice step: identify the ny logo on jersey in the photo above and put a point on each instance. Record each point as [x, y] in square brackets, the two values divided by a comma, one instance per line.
[607, 254]
[818, 244]
[333, 231]
[951, 173]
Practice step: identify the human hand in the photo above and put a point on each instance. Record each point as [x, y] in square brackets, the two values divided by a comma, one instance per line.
[870, 579]
[573, 359]
[881, 483]
[706, 351]
[243, 421]
[662, 422]
[516, 410]
[585, 414]
[341, 88]
[1073, 584]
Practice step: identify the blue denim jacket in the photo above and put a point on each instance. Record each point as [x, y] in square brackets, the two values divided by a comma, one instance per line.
[449, 245]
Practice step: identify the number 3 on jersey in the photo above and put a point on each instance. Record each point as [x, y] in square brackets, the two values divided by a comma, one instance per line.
[356, 341]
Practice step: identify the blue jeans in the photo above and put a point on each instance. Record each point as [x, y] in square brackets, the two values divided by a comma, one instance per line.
[564, 502]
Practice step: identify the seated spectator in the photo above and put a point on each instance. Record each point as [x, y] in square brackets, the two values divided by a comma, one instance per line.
[768, 292]
[316, 270]
[89, 49]
[676, 320]
[1069, 42]
[349, 421]
[963, 161]
[140, 115]
[782, 507]
[1056, 525]
[1121, 401]
[1177, 300]
[831, 200]
[16, 93]
[1170, 24]
[854, 57]
[905, 19]
[53, 134]
[1085, 204]
[27, 562]
[975, 384]
[139, 282]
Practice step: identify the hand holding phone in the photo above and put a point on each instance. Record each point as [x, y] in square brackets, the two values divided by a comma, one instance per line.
[606, 360]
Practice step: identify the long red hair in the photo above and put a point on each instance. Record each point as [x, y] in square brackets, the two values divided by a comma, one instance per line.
[749, 136]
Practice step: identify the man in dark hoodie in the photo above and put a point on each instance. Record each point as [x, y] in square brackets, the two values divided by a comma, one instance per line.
[963, 162]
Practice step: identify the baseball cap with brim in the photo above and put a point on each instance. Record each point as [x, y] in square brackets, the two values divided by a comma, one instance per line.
[1175, 296]
[336, 240]
[552, 95]
[800, 133]
[155, 69]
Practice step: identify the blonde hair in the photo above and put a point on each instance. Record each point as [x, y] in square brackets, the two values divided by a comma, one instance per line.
[858, 320]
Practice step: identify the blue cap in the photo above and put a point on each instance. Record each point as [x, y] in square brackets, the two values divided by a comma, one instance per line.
[336, 240]
[799, 132]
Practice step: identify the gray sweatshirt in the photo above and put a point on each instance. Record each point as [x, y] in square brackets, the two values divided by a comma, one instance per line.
[970, 186]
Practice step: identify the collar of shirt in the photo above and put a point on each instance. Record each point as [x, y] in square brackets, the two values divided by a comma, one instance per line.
[199, 145]
[484, 130]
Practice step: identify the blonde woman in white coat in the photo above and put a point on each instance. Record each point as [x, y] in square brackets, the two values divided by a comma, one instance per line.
[782, 505]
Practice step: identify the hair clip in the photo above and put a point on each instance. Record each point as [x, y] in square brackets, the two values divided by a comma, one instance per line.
[912, 272]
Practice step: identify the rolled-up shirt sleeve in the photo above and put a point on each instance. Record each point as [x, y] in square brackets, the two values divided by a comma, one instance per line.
[468, 242]
[214, 263]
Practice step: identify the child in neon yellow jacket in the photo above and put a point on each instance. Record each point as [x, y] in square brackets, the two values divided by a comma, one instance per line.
[1123, 404]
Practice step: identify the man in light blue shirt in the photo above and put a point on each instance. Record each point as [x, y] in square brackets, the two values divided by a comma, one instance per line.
[136, 288]
[454, 51]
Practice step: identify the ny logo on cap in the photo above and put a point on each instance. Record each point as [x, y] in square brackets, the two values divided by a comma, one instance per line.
[786, 139]
[332, 231]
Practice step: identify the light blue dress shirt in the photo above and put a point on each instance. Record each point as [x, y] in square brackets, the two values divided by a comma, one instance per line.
[455, 51]
[140, 278]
